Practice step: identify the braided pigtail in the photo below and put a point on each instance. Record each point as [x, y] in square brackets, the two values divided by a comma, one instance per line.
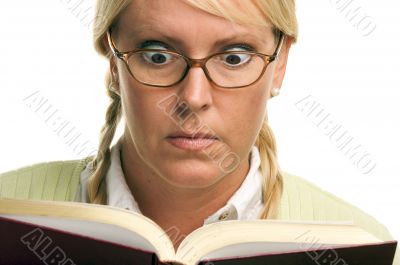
[101, 162]
[273, 181]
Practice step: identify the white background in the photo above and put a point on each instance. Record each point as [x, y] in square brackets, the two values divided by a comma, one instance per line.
[46, 48]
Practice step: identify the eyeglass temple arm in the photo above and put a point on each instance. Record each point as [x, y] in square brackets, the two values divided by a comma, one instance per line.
[112, 45]
[279, 48]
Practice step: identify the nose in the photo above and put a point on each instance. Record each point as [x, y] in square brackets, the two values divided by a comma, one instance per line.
[196, 90]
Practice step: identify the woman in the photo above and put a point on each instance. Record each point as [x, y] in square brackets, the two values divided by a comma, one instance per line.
[192, 80]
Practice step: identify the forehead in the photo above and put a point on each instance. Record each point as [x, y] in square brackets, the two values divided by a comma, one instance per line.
[178, 18]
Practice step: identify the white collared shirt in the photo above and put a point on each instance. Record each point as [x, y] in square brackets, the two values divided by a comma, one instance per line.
[245, 203]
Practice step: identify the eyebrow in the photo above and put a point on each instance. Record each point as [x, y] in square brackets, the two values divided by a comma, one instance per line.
[239, 37]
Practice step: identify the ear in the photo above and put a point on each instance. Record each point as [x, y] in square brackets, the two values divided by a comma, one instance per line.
[113, 66]
[281, 63]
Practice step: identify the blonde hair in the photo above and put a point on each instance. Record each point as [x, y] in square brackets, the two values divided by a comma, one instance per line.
[280, 13]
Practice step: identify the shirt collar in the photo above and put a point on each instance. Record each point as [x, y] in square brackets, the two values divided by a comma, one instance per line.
[245, 203]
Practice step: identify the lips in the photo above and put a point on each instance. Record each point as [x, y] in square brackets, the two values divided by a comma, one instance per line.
[192, 142]
[193, 136]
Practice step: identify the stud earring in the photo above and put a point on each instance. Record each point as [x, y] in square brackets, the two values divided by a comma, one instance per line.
[275, 92]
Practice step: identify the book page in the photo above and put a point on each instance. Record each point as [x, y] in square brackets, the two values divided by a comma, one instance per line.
[100, 231]
[224, 238]
[259, 248]
[96, 220]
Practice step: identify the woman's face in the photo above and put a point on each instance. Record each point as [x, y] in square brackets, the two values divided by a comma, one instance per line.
[153, 128]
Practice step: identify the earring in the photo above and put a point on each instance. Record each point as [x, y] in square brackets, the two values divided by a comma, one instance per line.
[275, 92]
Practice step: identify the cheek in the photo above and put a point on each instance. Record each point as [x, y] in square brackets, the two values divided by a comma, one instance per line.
[143, 118]
[244, 116]
[255, 102]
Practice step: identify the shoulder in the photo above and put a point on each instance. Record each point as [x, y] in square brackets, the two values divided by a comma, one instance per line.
[53, 180]
[303, 200]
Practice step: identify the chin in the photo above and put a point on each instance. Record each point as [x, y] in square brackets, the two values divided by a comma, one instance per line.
[193, 174]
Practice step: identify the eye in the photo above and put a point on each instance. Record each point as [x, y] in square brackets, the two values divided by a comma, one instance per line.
[235, 60]
[157, 57]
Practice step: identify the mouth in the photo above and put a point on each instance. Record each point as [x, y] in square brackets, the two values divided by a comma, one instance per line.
[192, 142]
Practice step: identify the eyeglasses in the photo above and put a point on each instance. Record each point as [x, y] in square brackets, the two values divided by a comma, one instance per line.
[164, 68]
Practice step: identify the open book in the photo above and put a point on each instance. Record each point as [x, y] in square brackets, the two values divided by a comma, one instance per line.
[68, 233]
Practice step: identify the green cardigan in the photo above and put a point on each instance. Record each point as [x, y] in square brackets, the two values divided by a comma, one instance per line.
[301, 200]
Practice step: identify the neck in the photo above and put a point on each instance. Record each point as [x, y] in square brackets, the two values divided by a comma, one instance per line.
[176, 209]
